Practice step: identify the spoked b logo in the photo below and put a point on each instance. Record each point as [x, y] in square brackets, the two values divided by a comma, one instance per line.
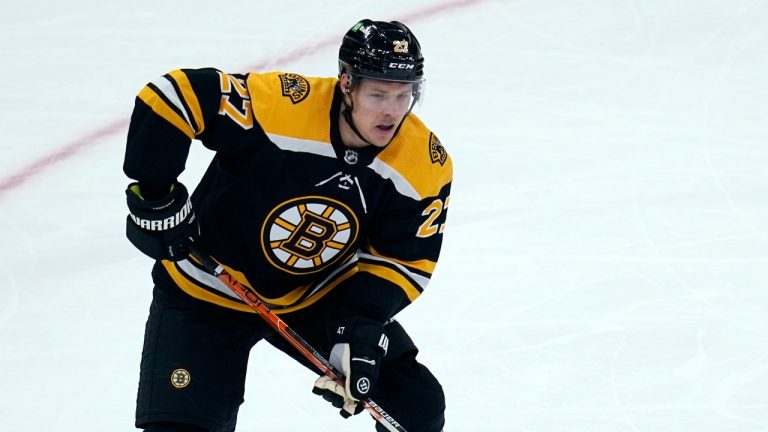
[304, 235]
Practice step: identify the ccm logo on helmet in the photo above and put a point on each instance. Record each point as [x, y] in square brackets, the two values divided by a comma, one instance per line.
[401, 66]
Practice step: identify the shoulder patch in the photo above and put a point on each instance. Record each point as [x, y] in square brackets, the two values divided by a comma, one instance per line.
[295, 87]
[415, 161]
[436, 151]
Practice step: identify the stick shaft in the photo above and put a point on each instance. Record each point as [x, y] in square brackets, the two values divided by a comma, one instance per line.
[311, 354]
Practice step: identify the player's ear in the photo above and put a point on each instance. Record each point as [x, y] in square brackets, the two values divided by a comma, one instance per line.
[344, 82]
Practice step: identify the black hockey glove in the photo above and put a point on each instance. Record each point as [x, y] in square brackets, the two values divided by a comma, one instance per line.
[163, 228]
[359, 345]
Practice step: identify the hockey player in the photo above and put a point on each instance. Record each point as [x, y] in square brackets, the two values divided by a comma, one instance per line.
[326, 197]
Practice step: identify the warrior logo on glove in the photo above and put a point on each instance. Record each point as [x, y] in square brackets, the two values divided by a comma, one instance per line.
[164, 224]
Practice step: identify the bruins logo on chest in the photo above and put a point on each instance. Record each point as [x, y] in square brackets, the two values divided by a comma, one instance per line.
[306, 235]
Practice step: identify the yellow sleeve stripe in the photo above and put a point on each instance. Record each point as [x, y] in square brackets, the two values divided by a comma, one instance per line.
[424, 265]
[190, 98]
[161, 108]
[320, 294]
[393, 276]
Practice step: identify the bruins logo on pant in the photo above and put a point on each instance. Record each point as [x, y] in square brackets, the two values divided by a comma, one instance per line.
[305, 235]
[180, 378]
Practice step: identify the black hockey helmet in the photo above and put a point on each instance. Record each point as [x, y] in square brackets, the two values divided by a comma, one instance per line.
[381, 50]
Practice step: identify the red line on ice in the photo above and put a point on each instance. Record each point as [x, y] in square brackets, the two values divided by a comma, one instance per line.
[78, 145]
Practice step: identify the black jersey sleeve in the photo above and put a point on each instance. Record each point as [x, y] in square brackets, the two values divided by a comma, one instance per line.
[397, 262]
[182, 105]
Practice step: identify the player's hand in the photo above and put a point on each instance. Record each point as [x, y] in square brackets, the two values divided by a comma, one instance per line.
[162, 228]
[359, 346]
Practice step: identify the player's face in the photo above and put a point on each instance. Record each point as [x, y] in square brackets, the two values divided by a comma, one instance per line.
[379, 107]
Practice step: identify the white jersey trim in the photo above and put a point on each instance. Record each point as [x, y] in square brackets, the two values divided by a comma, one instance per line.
[166, 87]
[352, 261]
[421, 280]
[206, 279]
[302, 145]
[401, 184]
[325, 149]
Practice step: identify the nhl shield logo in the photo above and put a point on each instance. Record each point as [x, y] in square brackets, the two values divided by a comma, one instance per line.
[350, 156]
[436, 151]
[295, 87]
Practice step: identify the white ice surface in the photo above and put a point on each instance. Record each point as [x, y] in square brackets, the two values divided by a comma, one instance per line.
[606, 263]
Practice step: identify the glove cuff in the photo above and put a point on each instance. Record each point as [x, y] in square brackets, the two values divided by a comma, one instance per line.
[361, 331]
[159, 215]
[163, 228]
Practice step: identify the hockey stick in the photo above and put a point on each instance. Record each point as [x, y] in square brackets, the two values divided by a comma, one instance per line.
[291, 336]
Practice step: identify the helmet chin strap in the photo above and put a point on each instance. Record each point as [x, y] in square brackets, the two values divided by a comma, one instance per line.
[346, 112]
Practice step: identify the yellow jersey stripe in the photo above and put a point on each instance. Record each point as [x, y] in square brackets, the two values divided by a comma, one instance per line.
[406, 161]
[320, 294]
[424, 265]
[190, 98]
[161, 108]
[276, 110]
[200, 293]
[393, 276]
[199, 277]
[286, 300]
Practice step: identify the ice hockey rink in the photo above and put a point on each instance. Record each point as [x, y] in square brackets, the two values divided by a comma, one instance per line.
[605, 266]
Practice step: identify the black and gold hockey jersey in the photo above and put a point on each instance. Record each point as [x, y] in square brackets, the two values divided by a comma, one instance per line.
[284, 206]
